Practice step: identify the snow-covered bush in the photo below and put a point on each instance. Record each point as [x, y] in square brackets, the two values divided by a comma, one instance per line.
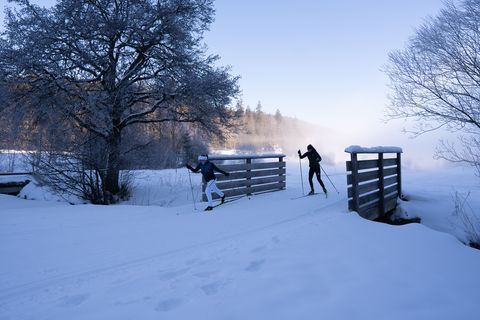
[468, 220]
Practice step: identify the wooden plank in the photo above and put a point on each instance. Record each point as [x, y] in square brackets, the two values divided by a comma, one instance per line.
[373, 212]
[248, 161]
[381, 181]
[390, 196]
[391, 180]
[389, 162]
[282, 174]
[243, 183]
[373, 197]
[266, 173]
[250, 174]
[399, 174]
[10, 190]
[363, 164]
[231, 184]
[364, 188]
[371, 175]
[251, 166]
[354, 181]
[228, 193]
[363, 177]
[372, 186]
[267, 187]
[246, 156]
[389, 172]
[16, 173]
[258, 181]
[255, 189]
[14, 184]
[390, 204]
[232, 176]
[370, 213]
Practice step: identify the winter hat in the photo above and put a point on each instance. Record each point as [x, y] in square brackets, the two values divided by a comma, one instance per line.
[309, 147]
[202, 157]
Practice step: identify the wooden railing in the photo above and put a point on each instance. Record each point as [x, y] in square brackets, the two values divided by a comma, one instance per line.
[14, 185]
[375, 184]
[249, 174]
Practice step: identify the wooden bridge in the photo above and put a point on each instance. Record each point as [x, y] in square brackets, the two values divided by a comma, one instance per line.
[12, 183]
[374, 184]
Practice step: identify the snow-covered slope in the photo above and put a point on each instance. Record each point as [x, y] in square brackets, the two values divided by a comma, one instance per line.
[268, 257]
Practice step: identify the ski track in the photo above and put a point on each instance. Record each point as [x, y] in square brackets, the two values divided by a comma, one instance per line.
[11, 295]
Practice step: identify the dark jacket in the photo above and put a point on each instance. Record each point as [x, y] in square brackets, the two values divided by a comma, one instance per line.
[313, 158]
[208, 170]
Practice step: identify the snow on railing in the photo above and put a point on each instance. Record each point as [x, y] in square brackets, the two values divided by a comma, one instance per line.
[380, 149]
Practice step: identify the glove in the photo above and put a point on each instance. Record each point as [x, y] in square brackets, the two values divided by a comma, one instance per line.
[299, 153]
[227, 174]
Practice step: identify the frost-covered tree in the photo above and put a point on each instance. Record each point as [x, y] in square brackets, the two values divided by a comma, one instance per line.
[106, 65]
[436, 79]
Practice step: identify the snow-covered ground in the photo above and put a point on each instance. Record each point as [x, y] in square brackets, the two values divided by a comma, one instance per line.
[267, 257]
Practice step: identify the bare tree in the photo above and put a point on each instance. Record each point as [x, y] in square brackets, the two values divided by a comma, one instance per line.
[436, 80]
[111, 64]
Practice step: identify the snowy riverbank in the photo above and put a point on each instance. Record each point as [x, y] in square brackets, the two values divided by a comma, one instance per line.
[268, 257]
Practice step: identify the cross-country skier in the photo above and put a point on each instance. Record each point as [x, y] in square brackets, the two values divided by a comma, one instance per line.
[314, 160]
[208, 169]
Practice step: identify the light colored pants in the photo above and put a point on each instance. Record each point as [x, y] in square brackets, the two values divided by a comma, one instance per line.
[212, 187]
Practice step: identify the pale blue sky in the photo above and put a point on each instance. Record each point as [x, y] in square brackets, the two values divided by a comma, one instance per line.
[319, 60]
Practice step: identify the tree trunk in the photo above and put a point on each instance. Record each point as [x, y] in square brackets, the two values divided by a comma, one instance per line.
[111, 185]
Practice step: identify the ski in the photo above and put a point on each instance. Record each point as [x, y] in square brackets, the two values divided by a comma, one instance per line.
[307, 195]
[225, 202]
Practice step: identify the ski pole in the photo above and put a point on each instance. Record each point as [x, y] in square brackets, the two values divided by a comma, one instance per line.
[191, 189]
[329, 180]
[301, 175]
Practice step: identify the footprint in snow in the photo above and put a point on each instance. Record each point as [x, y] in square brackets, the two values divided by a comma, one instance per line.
[258, 249]
[191, 262]
[211, 288]
[168, 304]
[169, 275]
[255, 265]
[214, 287]
[205, 274]
[72, 301]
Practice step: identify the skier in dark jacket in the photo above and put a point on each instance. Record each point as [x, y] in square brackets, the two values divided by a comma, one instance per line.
[314, 161]
[208, 169]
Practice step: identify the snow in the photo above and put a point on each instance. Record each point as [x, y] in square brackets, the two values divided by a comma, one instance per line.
[267, 257]
[379, 149]
[431, 197]
[165, 188]
[15, 178]
[36, 191]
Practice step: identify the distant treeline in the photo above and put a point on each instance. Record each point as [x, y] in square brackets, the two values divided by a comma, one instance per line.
[160, 145]
[259, 131]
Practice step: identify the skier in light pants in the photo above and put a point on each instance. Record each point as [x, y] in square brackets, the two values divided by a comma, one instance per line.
[208, 169]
